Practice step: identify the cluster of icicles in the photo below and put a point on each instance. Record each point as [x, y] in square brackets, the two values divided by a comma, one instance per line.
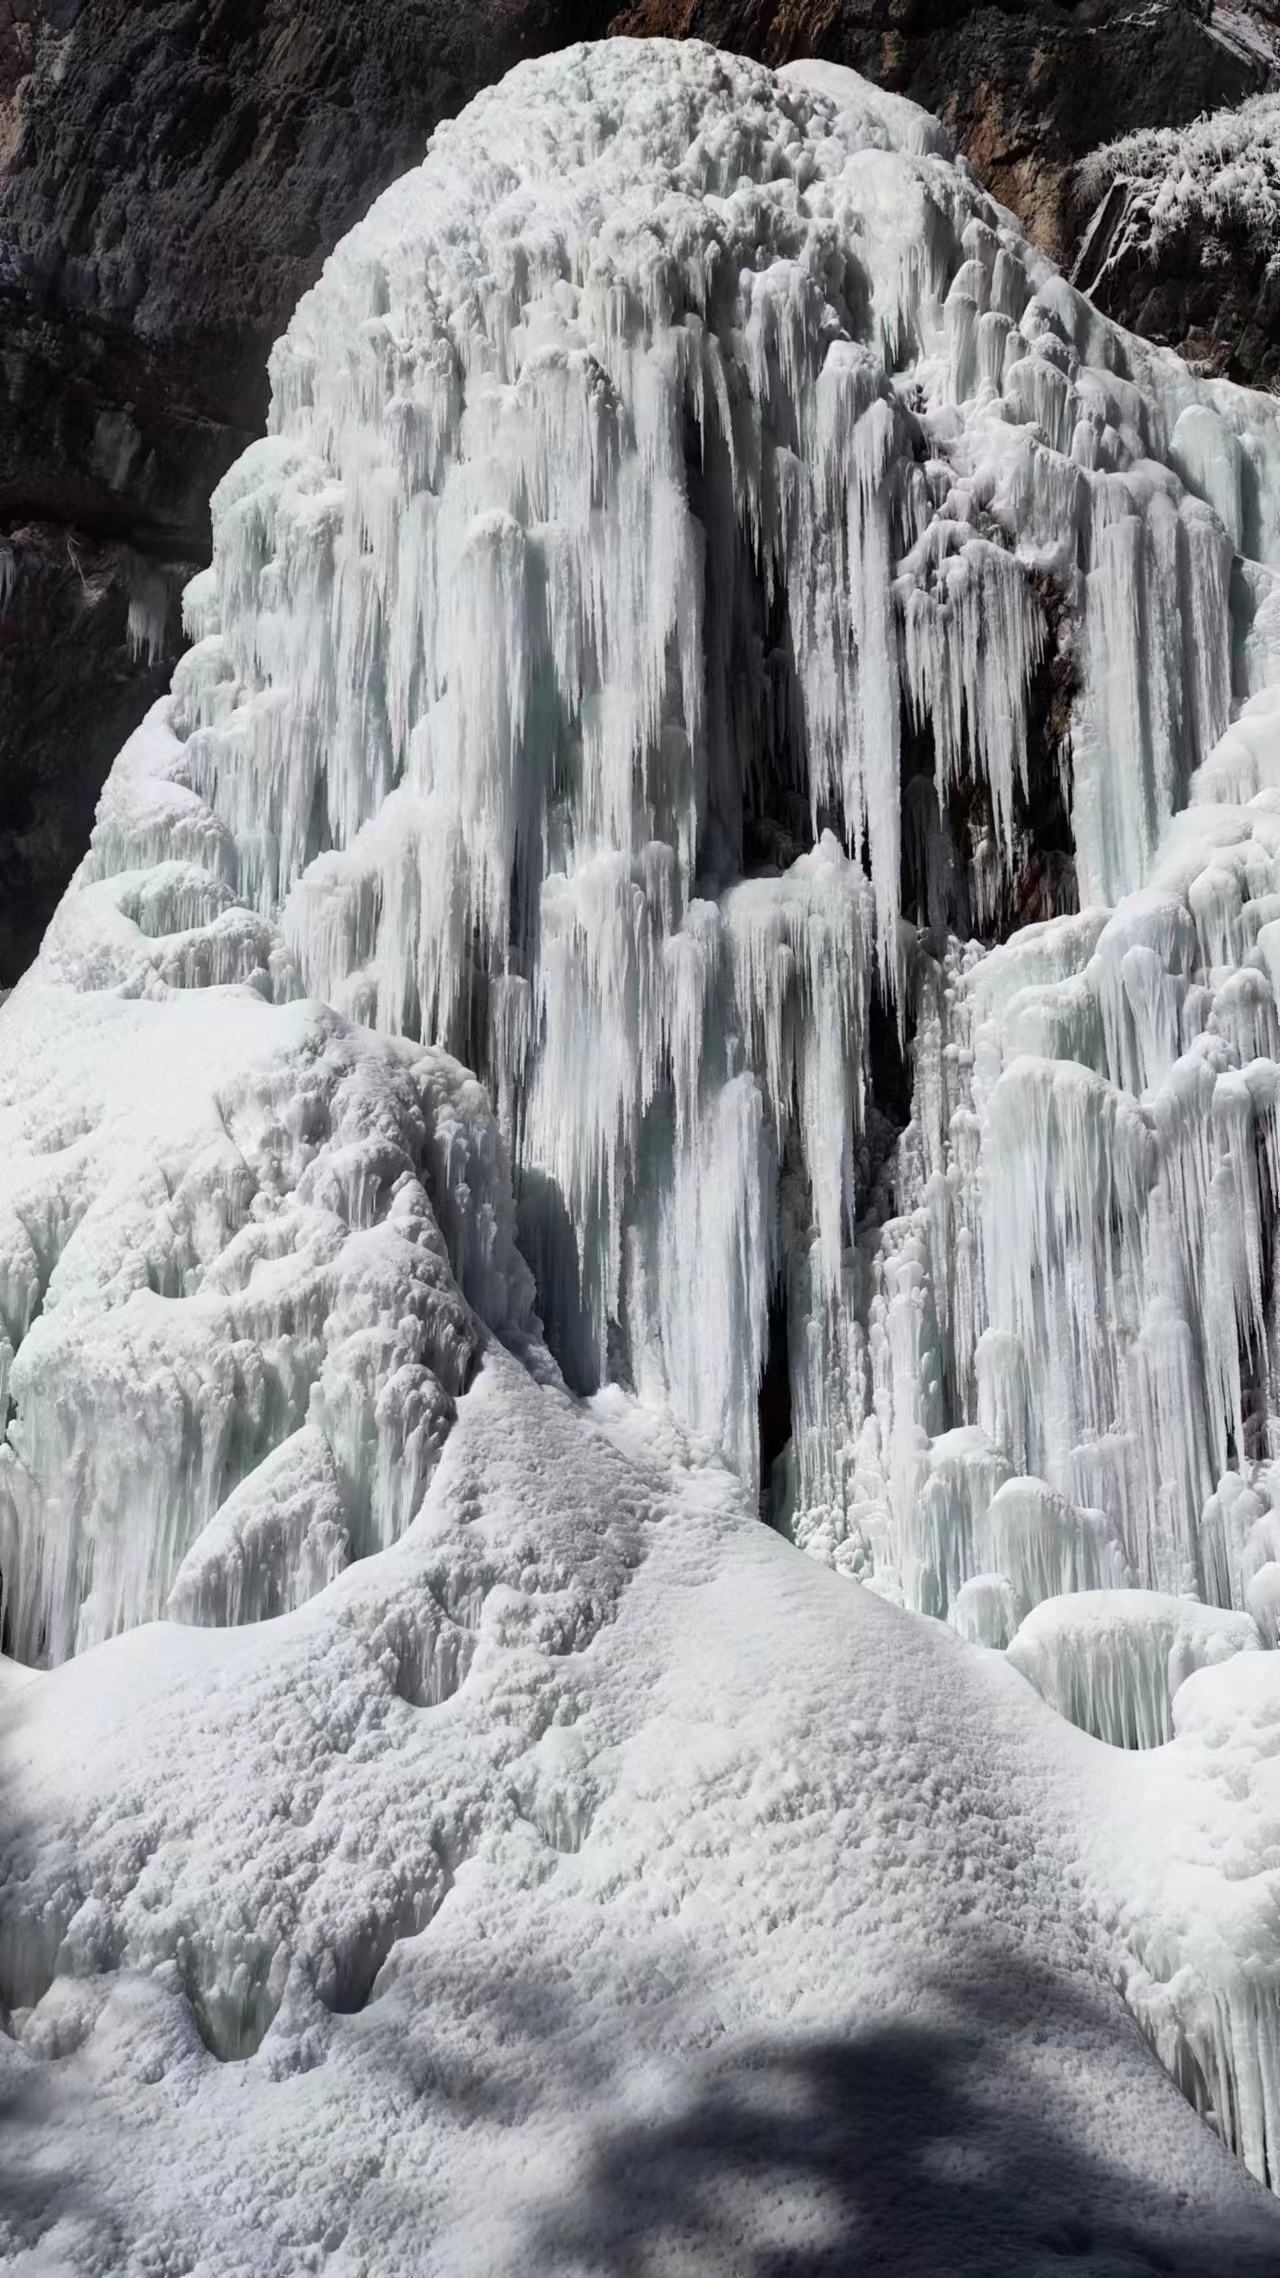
[702, 449]
[1080, 1285]
[627, 459]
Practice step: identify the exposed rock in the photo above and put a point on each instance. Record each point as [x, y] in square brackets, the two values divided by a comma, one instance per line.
[172, 174]
[89, 631]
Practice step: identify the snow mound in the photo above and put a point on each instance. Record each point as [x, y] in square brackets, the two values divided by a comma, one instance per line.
[452, 1917]
[1111, 1661]
[1194, 1879]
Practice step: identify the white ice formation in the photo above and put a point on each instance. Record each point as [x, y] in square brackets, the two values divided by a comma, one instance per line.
[701, 558]
[633, 510]
[1112, 1660]
[1082, 1264]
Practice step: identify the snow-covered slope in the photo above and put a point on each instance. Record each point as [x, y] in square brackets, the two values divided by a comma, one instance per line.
[698, 542]
[721, 1918]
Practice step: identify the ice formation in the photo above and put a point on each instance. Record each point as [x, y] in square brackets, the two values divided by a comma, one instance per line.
[1083, 1269]
[1112, 1660]
[239, 1337]
[698, 543]
[636, 511]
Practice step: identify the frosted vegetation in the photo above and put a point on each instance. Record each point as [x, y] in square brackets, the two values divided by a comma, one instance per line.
[1220, 174]
[699, 545]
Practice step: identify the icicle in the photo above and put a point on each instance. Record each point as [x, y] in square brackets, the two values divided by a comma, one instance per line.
[987, 1610]
[798, 953]
[1045, 1545]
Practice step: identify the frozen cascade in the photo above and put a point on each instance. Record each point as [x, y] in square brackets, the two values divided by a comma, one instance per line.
[643, 468]
[1090, 1182]
[225, 1239]
[696, 532]
[623, 667]
[654, 454]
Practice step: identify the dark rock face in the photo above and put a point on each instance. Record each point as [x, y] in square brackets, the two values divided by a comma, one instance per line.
[1030, 86]
[172, 174]
[74, 679]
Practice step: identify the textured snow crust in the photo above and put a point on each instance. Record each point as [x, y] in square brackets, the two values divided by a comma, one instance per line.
[708, 1912]
[445, 1821]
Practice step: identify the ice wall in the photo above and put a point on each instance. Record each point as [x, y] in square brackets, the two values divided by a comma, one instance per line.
[677, 465]
[1080, 1282]
[678, 446]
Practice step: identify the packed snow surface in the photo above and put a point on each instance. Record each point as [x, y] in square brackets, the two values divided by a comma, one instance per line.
[697, 541]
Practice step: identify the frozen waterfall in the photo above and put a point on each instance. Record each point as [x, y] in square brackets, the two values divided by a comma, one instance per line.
[698, 544]
[639, 516]
[1113, 1660]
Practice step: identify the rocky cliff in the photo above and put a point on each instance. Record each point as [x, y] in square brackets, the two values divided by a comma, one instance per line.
[1184, 244]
